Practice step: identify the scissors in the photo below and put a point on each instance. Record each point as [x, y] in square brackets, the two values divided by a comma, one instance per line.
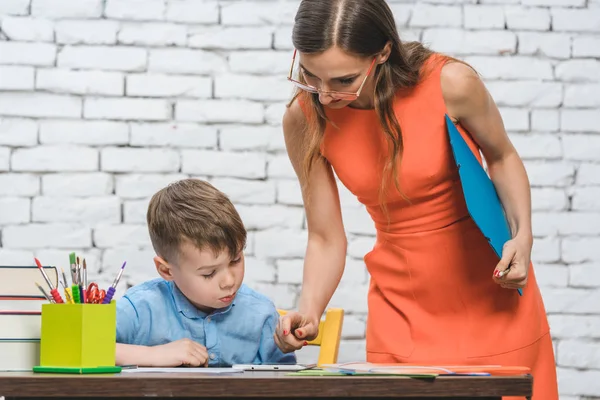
[95, 295]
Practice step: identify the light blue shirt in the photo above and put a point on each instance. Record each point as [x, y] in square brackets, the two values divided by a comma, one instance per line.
[156, 312]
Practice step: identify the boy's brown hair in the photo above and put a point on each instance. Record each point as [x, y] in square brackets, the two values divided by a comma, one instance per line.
[194, 210]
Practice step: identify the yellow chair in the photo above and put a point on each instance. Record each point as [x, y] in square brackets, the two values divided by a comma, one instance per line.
[330, 334]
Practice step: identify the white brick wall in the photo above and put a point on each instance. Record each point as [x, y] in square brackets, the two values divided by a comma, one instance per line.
[104, 102]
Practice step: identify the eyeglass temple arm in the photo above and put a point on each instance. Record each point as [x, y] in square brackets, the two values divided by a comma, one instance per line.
[292, 67]
[368, 73]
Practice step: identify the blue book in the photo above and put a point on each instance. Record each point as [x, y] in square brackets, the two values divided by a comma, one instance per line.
[480, 194]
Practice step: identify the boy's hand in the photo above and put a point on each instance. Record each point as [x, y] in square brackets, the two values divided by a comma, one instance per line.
[181, 352]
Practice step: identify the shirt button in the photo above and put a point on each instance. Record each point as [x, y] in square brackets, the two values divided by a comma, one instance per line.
[212, 356]
[207, 319]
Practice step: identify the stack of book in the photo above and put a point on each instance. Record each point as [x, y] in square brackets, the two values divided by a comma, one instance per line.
[20, 315]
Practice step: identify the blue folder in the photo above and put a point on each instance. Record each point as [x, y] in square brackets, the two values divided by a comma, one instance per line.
[480, 194]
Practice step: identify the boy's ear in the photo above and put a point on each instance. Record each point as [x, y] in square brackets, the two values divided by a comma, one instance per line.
[163, 269]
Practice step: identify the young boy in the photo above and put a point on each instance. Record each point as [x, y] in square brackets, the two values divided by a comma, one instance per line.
[199, 313]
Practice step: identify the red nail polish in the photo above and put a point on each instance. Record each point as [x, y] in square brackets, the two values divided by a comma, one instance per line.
[305, 343]
[299, 332]
[285, 332]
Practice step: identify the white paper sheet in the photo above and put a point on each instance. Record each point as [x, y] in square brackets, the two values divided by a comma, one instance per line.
[274, 367]
[184, 370]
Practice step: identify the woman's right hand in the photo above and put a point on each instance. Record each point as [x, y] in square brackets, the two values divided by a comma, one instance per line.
[326, 245]
[294, 330]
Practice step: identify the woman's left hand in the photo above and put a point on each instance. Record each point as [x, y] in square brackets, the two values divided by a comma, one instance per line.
[516, 258]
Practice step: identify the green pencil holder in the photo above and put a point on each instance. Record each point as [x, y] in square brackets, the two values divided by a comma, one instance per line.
[78, 335]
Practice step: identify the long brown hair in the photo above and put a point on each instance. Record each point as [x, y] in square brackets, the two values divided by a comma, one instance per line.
[362, 28]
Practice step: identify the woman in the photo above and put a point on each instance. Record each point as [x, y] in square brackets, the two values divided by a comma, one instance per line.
[373, 109]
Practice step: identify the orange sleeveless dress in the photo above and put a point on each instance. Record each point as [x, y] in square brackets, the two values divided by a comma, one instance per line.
[431, 298]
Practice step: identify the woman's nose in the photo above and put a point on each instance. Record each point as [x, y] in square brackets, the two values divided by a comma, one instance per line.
[325, 99]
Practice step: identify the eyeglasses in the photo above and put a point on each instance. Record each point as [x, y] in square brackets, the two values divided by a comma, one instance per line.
[335, 94]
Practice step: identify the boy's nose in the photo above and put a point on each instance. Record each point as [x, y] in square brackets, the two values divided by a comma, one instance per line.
[228, 281]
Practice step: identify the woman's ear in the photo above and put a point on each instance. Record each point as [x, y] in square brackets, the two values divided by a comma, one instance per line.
[385, 53]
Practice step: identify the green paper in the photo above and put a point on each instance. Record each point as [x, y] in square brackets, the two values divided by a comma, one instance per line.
[76, 370]
[314, 372]
[317, 372]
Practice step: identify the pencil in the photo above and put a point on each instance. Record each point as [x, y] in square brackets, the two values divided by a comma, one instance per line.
[502, 273]
[506, 271]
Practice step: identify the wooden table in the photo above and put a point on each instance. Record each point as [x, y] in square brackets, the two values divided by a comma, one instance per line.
[22, 385]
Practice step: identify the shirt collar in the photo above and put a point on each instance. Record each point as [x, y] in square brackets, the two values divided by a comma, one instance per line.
[188, 310]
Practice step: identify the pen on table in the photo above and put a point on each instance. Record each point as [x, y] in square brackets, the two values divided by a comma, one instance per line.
[53, 290]
[111, 290]
[50, 299]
